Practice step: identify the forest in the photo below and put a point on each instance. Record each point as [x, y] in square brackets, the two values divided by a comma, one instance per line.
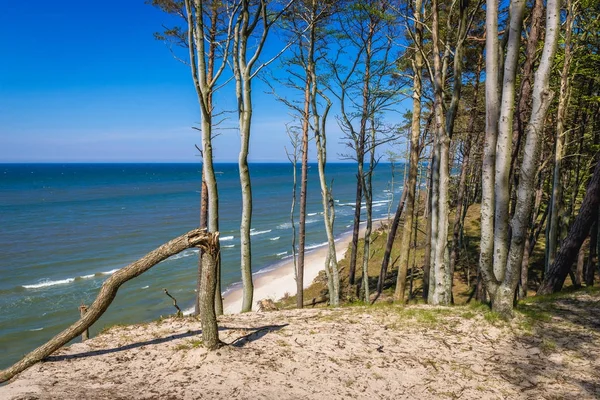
[499, 128]
[505, 114]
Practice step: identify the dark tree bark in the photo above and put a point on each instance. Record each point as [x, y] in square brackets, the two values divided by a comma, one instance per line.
[209, 242]
[588, 214]
[203, 224]
[390, 243]
[592, 261]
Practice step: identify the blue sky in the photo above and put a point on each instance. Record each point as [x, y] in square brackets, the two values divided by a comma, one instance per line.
[86, 82]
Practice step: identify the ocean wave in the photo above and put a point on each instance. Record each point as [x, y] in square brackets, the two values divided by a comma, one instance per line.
[285, 225]
[228, 246]
[226, 238]
[311, 214]
[87, 276]
[47, 283]
[145, 287]
[281, 254]
[381, 201]
[183, 254]
[253, 233]
[275, 238]
[112, 271]
[35, 329]
[315, 246]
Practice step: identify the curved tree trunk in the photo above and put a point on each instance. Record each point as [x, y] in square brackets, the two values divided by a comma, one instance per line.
[208, 242]
[588, 214]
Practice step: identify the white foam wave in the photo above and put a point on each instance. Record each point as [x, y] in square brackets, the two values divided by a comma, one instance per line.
[286, 225]
[87, 276]
[253, 233]
[226, 238]
[311, 214]
[281, 254]
[112, 271]
[184, 254]
[189, 311]
[35, 329]
[46, 283]
[145, 287]
[228, 246]
[275, 238]
[315, 246]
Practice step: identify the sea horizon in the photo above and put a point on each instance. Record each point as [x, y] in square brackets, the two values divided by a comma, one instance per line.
[68, 226]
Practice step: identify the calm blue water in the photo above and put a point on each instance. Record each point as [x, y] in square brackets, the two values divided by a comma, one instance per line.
[65, 228]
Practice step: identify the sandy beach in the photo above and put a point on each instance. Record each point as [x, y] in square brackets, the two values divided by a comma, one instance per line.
[420, 352]
[276, 283]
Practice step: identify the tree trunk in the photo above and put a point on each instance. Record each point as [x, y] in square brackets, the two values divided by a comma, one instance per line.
[580, 263]
[563, 104]
[486, 244]
[246, 187]
[385, 262]
[441, 281]
[356, 225]
[504, 142]
[465, 165]
[523, 105]
[303, 193]
[202, 64]
[411, 182]
[502, 301]
[428, 233]
[368, 186]
[209, 242]
[203, 224]
[588, 215]
[592, 261]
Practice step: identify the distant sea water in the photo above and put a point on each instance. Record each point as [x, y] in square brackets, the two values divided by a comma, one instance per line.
[64, 228]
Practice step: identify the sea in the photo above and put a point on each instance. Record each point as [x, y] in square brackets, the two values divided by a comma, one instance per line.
[64, 228]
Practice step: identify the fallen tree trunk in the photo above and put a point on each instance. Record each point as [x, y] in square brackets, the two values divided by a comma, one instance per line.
[208, 242]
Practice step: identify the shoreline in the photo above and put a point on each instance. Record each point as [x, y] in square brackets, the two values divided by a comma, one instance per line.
[275, 283]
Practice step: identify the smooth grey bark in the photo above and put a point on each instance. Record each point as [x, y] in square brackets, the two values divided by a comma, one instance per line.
[242, 72]
[331, 264]
[441, 282]
[502, 299]
[249, 17]
[205, 76]
[293, 158]
[504, 141]
[488, 200]
[524, 104]
[411, 182]
[559, 151]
